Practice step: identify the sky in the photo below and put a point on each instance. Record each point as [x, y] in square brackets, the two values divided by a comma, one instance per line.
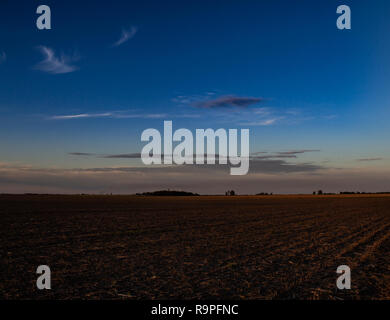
[75, 99]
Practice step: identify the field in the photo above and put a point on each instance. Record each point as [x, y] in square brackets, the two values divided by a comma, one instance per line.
[241, 247]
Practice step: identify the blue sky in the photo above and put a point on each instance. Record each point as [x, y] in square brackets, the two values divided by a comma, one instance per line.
[108, 70]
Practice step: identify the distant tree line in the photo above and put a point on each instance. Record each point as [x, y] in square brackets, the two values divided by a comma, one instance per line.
[167, 193]
[320, 192]
[358, 192]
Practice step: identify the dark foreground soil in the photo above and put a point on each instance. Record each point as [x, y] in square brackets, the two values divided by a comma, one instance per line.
[127, 247]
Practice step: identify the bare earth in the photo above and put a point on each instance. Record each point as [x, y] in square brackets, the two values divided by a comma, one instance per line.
[127, 247]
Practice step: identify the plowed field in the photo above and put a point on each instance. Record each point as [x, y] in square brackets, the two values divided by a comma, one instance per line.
[242, 247]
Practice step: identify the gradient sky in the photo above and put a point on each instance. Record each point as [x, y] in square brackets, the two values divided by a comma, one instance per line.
[74, 100]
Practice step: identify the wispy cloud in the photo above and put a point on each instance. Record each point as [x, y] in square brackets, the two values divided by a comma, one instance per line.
[269, 165]
[123, 156]
[253, 157]
[262, 111]
[369, 159]
[120, 115]
[3, 57]
[298, 151]
[81, 115]
[263, 122]
[86, 154]
[107, 156]
[228, 101]
[56, 64]
[194, 98]
[273, 156]
[126, 35]
[281, 154]
[243, 110]
[270, 116]
[278, 177]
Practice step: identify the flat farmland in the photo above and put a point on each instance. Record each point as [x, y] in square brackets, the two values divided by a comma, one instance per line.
[215, 247]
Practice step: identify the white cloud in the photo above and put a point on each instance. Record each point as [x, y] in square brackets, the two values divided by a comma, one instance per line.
[120, 115]
[126, 35]
[55, 65]
[81, 115]
[265, 122]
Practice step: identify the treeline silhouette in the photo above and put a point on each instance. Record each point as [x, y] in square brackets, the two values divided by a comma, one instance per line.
[167, 193]
[358, 192]
[320, 192]
[186, 193]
